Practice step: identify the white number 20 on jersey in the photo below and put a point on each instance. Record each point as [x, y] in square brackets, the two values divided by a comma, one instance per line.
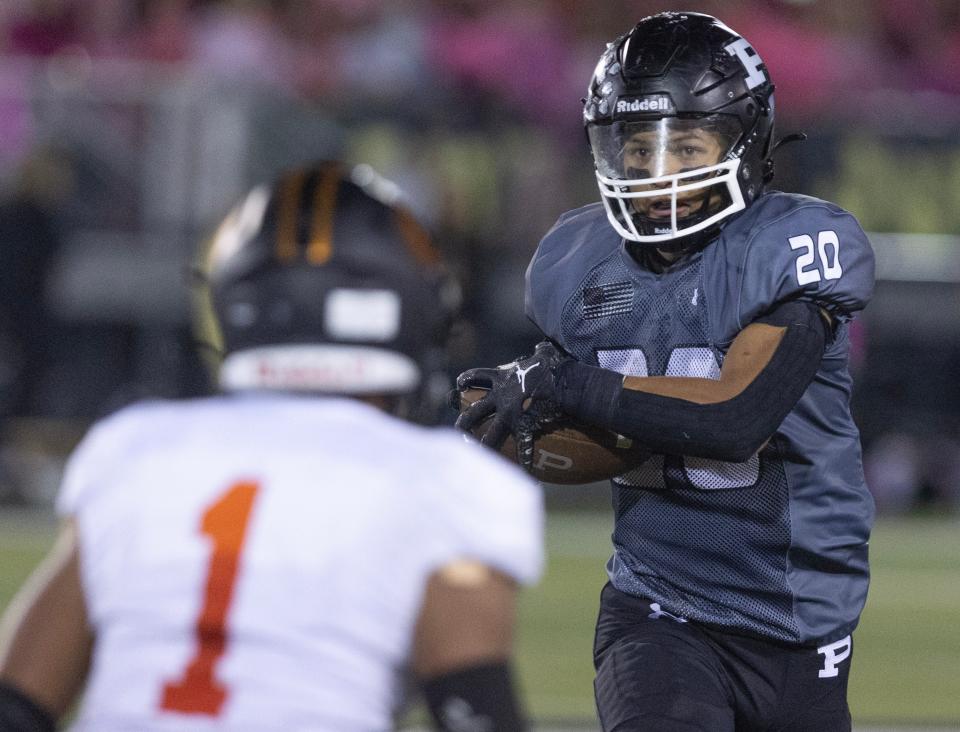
[828, 251]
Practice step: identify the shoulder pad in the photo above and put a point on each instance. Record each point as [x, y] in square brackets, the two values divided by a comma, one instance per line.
[486, 508]
[580, 238]
[106, 443]
[791, 247]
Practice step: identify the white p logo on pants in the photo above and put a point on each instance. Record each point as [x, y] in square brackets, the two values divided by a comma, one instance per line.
[832, 655]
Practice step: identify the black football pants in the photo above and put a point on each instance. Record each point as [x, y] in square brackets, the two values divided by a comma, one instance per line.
[658, 674]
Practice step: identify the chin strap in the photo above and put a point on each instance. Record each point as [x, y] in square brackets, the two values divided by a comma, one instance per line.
[684, 245]
[768, 163]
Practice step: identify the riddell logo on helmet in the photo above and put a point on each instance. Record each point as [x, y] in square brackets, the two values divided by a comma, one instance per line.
[656, 103]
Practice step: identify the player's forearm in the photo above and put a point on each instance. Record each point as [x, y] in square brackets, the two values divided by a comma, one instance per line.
[687, 388]
[724, 430]
[726, 419]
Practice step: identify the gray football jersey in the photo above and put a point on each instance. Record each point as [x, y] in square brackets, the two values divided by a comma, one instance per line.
[775, 546]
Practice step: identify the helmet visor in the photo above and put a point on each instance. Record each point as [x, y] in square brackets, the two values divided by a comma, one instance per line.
[661, 147]
[667, 177]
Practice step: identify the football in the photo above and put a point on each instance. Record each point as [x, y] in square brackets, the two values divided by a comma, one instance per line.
[569, 453]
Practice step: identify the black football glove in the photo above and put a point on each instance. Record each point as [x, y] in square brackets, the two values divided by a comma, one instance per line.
[521, 397]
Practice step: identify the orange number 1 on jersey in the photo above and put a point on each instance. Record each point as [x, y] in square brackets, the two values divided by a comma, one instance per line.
[225, 522]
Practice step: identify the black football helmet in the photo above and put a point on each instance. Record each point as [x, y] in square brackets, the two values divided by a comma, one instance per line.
[679, 116]
[323, 282]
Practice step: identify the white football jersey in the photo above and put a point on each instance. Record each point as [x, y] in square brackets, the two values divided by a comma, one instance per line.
[258, 562]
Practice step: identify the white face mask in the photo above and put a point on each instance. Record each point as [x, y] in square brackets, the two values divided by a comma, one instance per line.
[666, 178]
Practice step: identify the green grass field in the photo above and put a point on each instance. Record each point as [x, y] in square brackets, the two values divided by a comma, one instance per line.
[907, 658]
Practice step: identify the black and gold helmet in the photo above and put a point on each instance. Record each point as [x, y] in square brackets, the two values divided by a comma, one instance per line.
[324, 282]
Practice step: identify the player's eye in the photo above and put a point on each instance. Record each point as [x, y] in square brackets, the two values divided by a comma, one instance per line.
[636, 151]
[690, 152]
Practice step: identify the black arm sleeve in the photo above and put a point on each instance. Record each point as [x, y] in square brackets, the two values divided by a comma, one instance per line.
[730, 430]
[479, 697]
[20, 713]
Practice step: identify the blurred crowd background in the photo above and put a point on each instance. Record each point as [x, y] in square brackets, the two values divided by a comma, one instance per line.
[129, 127]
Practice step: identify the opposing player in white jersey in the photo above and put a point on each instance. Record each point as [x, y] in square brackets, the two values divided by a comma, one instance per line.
[280, 557]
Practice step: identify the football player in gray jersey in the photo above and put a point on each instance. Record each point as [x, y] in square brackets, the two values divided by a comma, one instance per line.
[705, 316]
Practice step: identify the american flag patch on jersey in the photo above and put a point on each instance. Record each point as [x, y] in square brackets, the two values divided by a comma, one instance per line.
[599, 302]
